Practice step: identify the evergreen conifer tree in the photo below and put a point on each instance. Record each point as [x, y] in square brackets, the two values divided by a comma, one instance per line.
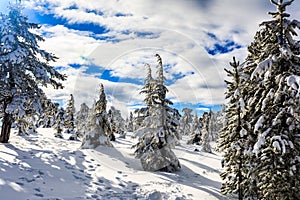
[23, 122]
[47, 117]
[159, 134]
[195, 133]
[23, 68]
[185, 121]
[205, 133]
[81, 119]
[272, 108]
[116, 121]
[22, 125]
[148, 88]
[26, 125]
[129, 125]
[232, 137]
[215, 124]
[51, 114]
[59, 124]
[140, 120]
[32, 121]
[97, 128]
[69, 122]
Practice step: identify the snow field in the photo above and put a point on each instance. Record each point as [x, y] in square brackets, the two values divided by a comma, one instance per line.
[44, 167]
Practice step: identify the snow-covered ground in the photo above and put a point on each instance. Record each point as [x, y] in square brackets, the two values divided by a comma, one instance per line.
[41, 166]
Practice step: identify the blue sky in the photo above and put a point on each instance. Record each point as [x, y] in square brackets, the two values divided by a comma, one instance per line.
[110, 41]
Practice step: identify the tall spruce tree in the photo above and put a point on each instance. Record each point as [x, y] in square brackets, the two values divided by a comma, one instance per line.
[59, 124]
[185, 122]
[69, 123]
[47, 117]
[116, 120]
[23, 122]
[129, 123]
[215, 124]
[148, 88]
[159, 134]
[231, 142]
[23, 68]
[81, 119]
[195, 133]
[22, 125]
[97, 128]
[272, 108]
[140, 120]
[205, 133]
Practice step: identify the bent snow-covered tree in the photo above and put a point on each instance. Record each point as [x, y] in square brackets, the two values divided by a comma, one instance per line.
[97, 127]
[272, 107]
[23, 68]
[159, 134]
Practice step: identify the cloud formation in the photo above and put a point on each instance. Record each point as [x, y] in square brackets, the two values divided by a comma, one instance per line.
[196, 40]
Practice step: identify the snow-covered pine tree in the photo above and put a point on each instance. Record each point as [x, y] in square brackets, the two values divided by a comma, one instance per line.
[81, 119]
[129, 124]
[22, 125]
[195, 133]
[169, 116]
[59, 124]
[272, 107]
[205, 133]
[47, 117]
[148, 88]
[69, 122]
[26, 125]
[116, 121]
[51, 113]
[32, 121]
[41, 116]
[215, 124]
[139, 117]
[232, 137]
[185, 122]
[159, 134]
[97, 127]
[142, 113]
[22, 122]
[24, 68]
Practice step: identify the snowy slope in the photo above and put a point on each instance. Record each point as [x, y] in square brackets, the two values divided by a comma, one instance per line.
[44, 167]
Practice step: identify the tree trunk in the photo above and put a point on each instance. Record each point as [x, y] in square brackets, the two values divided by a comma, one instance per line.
[6, 126]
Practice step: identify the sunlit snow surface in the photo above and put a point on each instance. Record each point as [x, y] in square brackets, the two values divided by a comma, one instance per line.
[44, 167]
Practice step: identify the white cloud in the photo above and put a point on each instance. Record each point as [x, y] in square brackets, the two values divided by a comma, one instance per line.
[85, 89]
[202, 109]
[70, 46]
[179, 34]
